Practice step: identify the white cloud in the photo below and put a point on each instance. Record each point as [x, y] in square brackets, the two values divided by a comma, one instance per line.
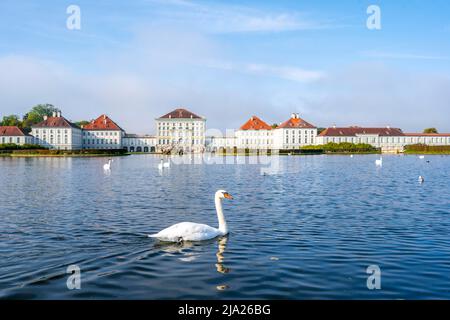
[223, 18]
[285, 72]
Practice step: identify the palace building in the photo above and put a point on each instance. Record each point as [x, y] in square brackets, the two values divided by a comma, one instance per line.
[388, 139]
[255, 134]
[181, 131]
[102, 133]
[294, 133]
[13, 134]
[56, 132]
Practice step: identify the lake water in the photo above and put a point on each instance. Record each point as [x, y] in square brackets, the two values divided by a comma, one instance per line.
[307, 232]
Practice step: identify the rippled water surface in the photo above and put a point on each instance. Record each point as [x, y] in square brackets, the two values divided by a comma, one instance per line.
[309, 231]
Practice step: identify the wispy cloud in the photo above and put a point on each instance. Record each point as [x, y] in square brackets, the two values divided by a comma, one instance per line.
[402, 56]
[283, 72]
[223, 18]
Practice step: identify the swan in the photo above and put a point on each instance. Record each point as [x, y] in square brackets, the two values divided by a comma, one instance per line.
[351, 156]
[166, 164]
[379, 162]
[163, 164]
[421, 157]
[421, 179]
[189, 231]
[107, 166]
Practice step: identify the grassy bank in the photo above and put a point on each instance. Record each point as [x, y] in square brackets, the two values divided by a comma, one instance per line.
[426, 149]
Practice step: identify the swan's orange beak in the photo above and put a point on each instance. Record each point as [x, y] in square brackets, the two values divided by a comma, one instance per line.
[227, 195]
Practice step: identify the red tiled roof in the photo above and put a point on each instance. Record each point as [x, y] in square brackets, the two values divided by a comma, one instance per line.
[295, 122]
[255, 123]
[55, 122]
[102, 123]
[181, 114]
[427, 134]
[11, 131]
[353, 131]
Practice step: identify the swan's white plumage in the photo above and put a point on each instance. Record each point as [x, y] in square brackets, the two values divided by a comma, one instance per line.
[107, 166]
[190, 231]
[379, 162]
[163, 164]
[187, 231]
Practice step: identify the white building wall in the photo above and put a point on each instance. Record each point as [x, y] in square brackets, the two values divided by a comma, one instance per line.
[185, 133]
[254, 139]
[294, 138]
[387, 143]
[139, 143]
[102, 139]
[58, 138]
[19, 140]
[216, 143]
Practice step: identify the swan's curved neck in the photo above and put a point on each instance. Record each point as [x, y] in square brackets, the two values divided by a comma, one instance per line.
[222, 223]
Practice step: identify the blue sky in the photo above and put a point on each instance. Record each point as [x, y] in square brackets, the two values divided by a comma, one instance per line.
[228, 60]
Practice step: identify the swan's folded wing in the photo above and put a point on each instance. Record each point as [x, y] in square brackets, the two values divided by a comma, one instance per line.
[186, 231]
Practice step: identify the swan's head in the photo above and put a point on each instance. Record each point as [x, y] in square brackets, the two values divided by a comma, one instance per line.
[222, 194]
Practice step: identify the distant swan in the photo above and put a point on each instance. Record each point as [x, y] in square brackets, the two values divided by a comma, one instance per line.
[107, 166]
[189, 231]
[421, 157]
[421, 179]
[379, 162]
[163, 164]
[167, 164]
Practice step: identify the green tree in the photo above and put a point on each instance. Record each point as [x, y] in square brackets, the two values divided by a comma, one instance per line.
[82, 123]
[11, 120]
[430, 130]
[37, 113]
[274, 126]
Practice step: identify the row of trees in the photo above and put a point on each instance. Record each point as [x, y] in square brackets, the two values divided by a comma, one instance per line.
[35, 115]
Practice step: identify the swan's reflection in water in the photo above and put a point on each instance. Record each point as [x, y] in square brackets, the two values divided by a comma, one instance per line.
[220, 259]
[170, 248]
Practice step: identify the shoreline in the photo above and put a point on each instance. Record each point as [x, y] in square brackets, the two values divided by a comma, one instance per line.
[12, 155]
[9, 155]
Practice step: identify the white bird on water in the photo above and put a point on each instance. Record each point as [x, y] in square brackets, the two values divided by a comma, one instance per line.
[379, 162]
[167, 164]
[107, 166]
[189, 231]
[351, 156]
[163, 164]
[421, 179]
[421, 157]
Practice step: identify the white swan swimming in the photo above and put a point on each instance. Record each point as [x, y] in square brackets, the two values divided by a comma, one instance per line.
[421, 157]
[167, 164]
[163, 164]
[189, 231]
[379, 162]
[107, 166]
